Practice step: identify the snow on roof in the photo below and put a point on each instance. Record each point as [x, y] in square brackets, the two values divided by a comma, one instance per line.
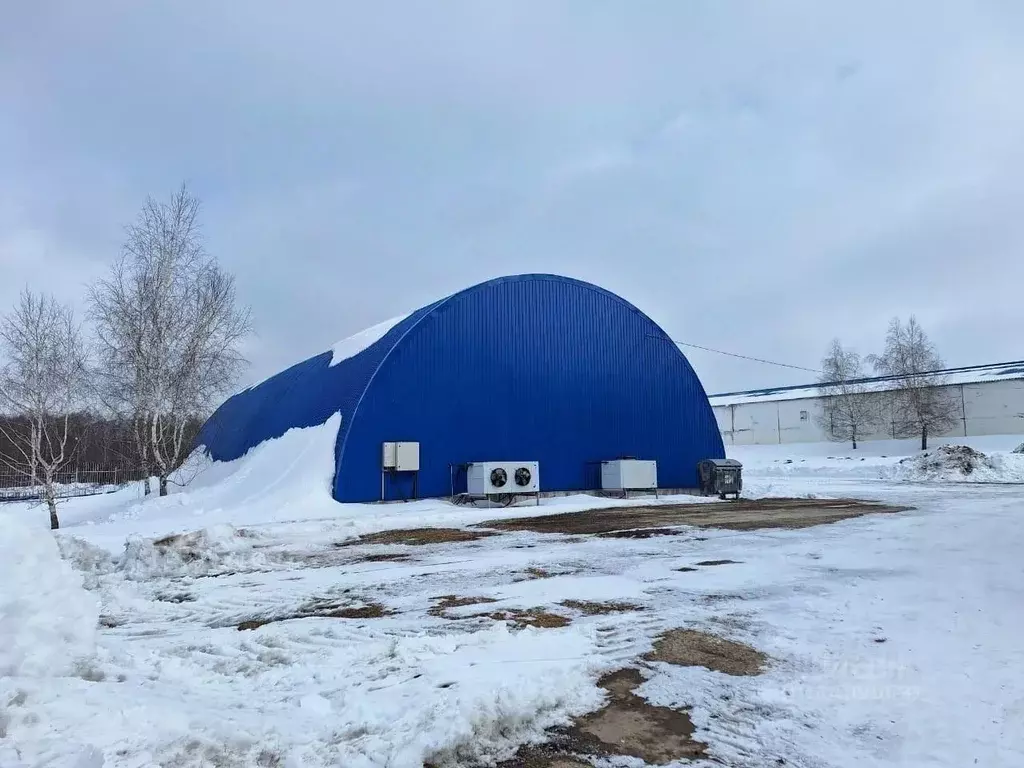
[972, 374]
[356, 343]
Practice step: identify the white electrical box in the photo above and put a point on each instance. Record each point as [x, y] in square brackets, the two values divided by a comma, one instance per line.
[489, 478]
[402, 456]
[629, 475]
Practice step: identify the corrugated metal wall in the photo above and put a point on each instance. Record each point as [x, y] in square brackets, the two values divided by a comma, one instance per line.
[983, 408]
[532, 367]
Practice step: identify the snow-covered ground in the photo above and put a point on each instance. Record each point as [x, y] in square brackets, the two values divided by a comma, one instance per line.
[895, 640]
[900, 460]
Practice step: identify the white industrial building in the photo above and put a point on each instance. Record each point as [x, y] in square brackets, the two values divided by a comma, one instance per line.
[990, 400]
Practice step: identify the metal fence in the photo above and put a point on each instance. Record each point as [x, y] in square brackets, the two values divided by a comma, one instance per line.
[70, 482]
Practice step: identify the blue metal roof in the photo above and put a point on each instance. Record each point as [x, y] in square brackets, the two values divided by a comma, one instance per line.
[528, 367]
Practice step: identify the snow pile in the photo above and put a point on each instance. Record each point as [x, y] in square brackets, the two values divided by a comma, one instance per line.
[47, 619]
[975, 459]
[90, 560]
[279, 480]
[1019, 449]
[958, 463]
[217, 549]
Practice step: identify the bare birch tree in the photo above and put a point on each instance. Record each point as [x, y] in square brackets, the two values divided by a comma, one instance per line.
[43, 380]
[849, 406]
[169, 331]
[920, 403]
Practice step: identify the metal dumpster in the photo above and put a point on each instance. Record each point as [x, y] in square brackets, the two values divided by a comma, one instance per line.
[720, 476]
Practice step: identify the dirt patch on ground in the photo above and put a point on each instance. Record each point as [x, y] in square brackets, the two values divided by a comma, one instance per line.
[598, 609]
[176, 597]
[532, 573]
[686, 569]
[627, 726]
[520, 617]
[417, 537]
[543, 756]
[529, 617]
[718, 562]
[641, 533]
[383, 558]
[445, 602]
[321, 608]
[739, 515]
[690, 648]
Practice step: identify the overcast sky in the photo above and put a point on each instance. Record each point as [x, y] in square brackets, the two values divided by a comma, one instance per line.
[756, 176]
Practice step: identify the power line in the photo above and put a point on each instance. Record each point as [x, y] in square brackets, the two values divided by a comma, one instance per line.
[746, 357]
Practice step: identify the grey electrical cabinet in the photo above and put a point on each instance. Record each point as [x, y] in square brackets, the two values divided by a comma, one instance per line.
[721, 477]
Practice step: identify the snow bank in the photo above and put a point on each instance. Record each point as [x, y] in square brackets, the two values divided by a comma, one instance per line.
[217, 549]
[91, 561]
[47, 619]
[958, 463]
[356, 343]
[279, 480]
[758, 455]
[975, 460]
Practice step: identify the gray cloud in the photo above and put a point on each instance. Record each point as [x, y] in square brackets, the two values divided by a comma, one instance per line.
[757, 177]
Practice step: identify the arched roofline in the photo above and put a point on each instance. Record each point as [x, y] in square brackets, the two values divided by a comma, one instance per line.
[526, 277]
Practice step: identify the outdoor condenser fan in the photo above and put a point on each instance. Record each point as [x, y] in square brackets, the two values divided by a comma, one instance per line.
[499, 477]
[523, 476]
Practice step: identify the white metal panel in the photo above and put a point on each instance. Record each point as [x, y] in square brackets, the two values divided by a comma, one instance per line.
[629, 475]
[476, 479]
[797, 420]
[991, 408]
[407, 456]
[994, 408]
[756, 424]
[388, 455]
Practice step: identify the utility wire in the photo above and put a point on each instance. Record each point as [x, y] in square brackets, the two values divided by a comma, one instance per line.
[746, 357]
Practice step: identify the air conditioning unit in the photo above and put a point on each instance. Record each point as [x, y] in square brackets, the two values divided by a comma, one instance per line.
[629, 475]
[491, 478]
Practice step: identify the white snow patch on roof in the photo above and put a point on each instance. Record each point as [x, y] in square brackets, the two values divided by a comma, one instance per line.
[356, 343]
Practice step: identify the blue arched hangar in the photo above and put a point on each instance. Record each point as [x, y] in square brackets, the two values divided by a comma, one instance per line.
[527, 368]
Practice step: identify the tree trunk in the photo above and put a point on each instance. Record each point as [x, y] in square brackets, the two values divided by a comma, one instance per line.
[924, 437]
[855, 442]
[52, 504]
[163, 485]
[145, 484]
